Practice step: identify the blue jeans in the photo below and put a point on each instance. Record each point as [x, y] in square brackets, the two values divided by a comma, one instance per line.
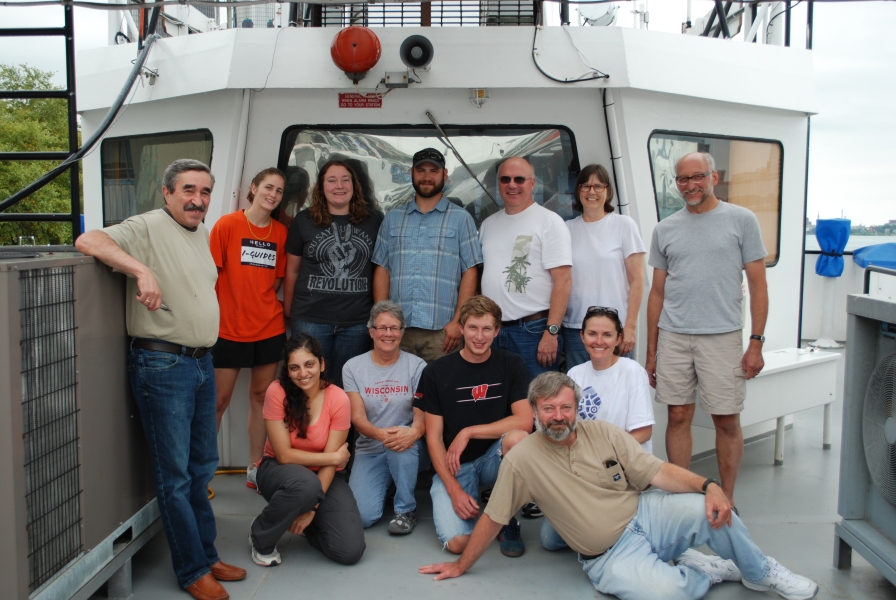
[176, 397]
[666, 525]
[573, 347]
[481, 472]
[523, 339]
[550, 539]
[339, 343]
[371, 476]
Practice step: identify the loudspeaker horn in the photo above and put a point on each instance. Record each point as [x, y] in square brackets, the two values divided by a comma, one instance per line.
[416, 52]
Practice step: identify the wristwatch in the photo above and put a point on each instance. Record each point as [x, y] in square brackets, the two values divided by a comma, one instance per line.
[760, 338]
[708, 481]
[553, 329]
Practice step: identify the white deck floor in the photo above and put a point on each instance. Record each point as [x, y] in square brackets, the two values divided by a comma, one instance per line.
[790, 511]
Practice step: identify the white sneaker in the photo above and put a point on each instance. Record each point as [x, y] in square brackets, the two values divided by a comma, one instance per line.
[251, 473]
[264, 560]
[718, 568]
[784, 583]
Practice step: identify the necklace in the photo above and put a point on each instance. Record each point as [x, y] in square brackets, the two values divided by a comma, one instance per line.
[270, 229]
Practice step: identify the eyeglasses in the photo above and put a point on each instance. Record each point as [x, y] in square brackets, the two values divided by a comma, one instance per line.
[698, 178]
[597, 187]
[393, 329]
[601, 310]
[519, 179]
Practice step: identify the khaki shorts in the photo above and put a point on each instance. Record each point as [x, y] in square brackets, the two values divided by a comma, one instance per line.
[425, 343]
[709, 362]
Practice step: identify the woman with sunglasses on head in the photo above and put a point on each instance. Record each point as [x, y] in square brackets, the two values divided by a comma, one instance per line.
[380, 385]
[614, 389]
[328, 289]
[301, 475]
[607, 262]
[248, 247]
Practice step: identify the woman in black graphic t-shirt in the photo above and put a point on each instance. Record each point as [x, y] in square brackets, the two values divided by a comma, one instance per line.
[328, 288]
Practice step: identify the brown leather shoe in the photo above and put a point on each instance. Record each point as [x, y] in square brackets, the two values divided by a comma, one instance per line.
[224, 572]
[207, 588]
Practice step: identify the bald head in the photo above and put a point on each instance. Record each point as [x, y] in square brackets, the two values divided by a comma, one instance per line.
[697, 189]
[516, 182]
[709, 164]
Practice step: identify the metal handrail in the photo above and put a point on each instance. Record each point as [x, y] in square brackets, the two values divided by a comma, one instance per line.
[875, 269]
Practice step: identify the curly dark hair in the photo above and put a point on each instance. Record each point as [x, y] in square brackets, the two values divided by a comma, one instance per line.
[584, 175]
[358, 207]
[296, 417]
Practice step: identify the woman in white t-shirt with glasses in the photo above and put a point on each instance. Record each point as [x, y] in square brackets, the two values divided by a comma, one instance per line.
[607, 263]
[614, 389]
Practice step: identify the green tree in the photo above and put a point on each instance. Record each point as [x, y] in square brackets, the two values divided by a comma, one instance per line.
[33, 126]
[516, 274]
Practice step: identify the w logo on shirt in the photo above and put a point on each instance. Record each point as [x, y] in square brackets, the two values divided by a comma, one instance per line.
[480, 392]
[589, 404]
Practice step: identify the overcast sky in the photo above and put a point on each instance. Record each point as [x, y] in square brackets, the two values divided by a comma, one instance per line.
[855, 72]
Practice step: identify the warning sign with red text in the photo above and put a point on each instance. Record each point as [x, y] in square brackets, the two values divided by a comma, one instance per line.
[360, 101]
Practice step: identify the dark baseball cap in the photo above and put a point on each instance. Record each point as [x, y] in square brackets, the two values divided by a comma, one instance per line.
[430, 155]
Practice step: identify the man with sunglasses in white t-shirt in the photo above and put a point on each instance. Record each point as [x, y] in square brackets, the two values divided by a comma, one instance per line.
[527, 269]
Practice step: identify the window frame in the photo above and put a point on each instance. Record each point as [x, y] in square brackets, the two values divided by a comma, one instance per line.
[284, 153]
[205, 130]
[732, 138]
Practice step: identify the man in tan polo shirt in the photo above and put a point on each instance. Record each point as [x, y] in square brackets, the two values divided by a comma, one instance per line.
[589, 479]
[172, 319]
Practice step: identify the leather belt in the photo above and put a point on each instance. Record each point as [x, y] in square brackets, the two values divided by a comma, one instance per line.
[593, 556]
[145, 344]
[542, 314]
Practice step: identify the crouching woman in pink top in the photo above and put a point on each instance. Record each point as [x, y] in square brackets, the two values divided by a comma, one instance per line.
[301, 474]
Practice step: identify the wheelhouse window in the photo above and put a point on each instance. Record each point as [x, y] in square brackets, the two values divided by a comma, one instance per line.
[133, 168]
[382, 159]
[749, 176]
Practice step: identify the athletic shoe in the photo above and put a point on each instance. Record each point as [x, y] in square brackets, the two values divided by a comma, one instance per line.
[511, 540]
[716, 567]
[784, 583]
[264, 560]
[403, 523]
[531, 511]
[251, 473]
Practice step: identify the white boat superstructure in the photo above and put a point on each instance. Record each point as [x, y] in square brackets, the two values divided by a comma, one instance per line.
[249, 97]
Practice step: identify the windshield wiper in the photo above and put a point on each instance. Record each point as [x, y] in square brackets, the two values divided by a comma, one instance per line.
[460, 158]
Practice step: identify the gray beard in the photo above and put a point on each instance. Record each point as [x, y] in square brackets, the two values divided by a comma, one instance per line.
[555, 435]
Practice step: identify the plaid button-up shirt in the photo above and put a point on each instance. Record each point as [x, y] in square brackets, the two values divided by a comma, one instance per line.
[426, 254]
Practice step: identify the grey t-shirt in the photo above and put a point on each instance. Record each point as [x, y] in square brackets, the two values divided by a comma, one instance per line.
[704, 256]
[387, 393]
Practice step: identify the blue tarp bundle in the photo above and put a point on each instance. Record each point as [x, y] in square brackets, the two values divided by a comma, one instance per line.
[832, 235]
[882, 255]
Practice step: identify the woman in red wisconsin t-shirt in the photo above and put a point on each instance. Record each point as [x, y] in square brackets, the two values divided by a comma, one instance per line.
[301, 475]
[248, 247]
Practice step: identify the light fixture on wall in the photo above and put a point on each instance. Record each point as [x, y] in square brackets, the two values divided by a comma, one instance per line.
[478, 96]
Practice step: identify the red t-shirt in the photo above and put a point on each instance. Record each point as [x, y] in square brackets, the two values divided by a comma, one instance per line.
[335, 415]
[247, 269]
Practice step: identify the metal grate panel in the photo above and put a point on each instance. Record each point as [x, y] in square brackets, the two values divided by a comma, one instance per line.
[50, 423]
[454, 13]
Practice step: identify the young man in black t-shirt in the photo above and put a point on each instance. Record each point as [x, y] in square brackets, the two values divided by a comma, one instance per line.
[471, 399]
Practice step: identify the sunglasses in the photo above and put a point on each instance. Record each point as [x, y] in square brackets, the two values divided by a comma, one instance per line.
[601, 310]
[519, 179]
[429, 155]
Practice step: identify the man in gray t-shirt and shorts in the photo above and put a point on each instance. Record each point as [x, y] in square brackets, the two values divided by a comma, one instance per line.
[694, 314]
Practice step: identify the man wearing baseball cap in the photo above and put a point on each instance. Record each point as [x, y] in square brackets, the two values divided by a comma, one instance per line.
[427, 253]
